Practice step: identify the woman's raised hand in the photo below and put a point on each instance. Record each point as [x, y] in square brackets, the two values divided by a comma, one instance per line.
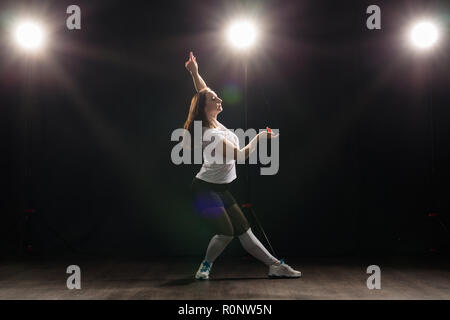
[191, 64]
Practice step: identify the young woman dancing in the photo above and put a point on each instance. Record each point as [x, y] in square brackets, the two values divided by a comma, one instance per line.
[210, 186]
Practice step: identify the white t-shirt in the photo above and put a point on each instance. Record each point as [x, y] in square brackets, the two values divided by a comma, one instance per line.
[213, 172]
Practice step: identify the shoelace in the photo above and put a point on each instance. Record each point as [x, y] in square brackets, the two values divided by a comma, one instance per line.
[205, 266]
[282, 262]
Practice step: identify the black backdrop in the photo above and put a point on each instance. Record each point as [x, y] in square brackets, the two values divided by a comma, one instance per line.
[352, 106]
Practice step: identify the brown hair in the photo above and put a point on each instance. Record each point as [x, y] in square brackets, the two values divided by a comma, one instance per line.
[197, 111]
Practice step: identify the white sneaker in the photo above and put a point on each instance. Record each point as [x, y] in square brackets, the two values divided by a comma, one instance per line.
[203, 271]
[283, 270]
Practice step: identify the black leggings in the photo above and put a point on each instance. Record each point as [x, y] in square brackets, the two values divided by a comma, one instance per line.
[216, 203]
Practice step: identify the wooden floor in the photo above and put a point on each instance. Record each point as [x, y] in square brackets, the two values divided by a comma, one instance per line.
[232, 278]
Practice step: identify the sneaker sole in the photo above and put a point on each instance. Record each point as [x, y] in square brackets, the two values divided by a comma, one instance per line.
[272, 276]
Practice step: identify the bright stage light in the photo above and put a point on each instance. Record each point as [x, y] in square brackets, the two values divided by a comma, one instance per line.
[424, 34]
[29, 35]
[242, 34]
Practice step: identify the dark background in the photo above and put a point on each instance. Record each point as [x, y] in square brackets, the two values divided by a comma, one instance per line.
[85, 128]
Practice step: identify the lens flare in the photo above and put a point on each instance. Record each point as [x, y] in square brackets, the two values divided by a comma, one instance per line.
[232, 94]
[207, 205]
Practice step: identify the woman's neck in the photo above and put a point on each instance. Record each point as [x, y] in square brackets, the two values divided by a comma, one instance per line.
[213, 122]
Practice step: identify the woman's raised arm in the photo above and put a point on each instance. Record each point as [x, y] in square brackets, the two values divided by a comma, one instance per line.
[192, 66]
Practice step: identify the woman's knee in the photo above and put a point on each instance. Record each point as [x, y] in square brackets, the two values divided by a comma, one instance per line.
[228, 231]
[222, 223]
[238, 219]
[242, 230]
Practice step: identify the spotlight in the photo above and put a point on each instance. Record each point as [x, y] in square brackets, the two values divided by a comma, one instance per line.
[242, 34]
[29, 35]
[424, 34]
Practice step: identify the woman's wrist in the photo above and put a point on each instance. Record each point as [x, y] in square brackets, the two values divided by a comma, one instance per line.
[260, 136]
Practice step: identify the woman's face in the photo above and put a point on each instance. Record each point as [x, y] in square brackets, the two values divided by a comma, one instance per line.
[213, 104]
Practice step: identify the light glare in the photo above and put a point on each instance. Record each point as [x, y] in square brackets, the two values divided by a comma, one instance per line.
[424, 34]
[242, 34]
[29, 35]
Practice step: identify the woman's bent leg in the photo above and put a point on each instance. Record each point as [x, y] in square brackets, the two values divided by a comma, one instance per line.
[222, 225]
[224, 234]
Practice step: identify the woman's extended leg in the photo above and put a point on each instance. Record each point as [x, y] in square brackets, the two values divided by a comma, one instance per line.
[248, 240]
[255, 248]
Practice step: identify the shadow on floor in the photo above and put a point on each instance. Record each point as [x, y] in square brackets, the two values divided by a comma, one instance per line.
[179, 282]
[247, 278]
[189, 280]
